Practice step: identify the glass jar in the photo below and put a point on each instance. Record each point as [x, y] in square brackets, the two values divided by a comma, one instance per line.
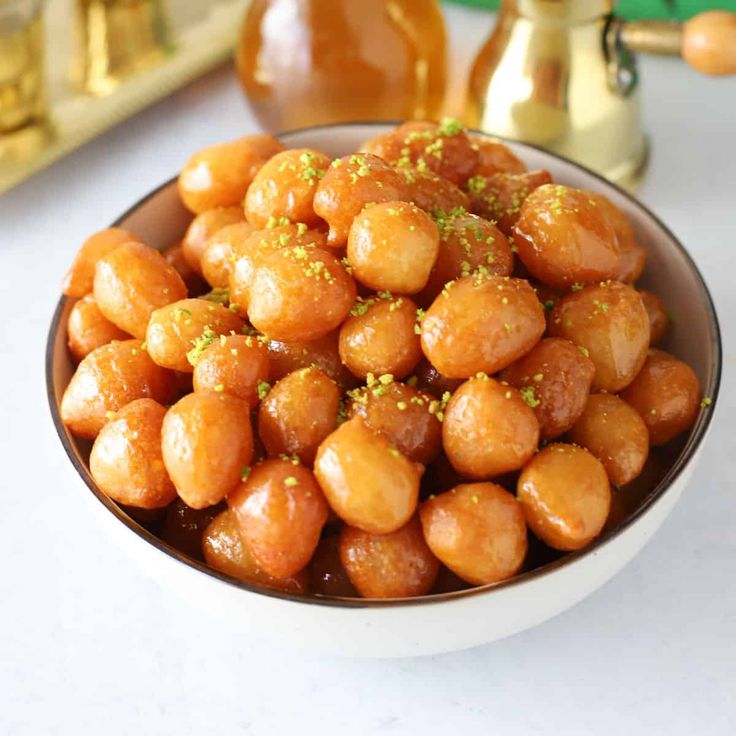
[305, 62]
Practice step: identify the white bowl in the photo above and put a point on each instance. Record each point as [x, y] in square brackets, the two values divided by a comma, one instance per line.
[451, 621]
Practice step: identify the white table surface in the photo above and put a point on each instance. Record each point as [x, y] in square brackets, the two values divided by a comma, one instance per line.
[88, 644]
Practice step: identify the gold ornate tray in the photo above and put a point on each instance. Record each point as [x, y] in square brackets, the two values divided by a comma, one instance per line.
[108, 59]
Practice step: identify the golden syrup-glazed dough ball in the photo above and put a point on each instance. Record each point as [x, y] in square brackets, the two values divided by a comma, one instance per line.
[126, 460]
[659, 319]
[395, 565]
[206, 441]
[431, 192]
[323, 352]
[565, 237]
[219, 175]
[443, 148]
[566, 496]
[177, 333]
[285, 187]
[220, 252]
[326, 571]
[488, 429]
[132, 282]
[368, 483]
[499, 197]
[380, 336]
[280, 511]
[224, 550]
[554, 378]
[633, 257]
[87, 328]
[409, 419]
[481, 323]
[80, 277]
[495, 157]
[467, 242]
[259, 245]
[174, 254]
[477, 530]
[300, 294]
[234, 364]
[666, 393]
[615, 433]
[298, 413]
[202, 228]
[609, 322]
[349, 185]
[393, 246]
[110, 377]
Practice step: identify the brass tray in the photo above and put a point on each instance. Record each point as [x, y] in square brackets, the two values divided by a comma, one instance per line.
[195, 36]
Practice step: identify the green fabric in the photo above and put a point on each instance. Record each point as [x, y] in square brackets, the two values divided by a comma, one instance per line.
[641, 8]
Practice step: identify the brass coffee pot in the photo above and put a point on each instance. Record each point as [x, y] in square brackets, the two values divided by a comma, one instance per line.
[561, 74]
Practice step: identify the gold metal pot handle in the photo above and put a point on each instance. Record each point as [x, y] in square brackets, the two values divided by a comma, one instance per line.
[706, 42]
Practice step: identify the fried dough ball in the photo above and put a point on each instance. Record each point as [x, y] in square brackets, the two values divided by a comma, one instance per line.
[566, 496]
[80, 277]
[443, 148]
[110, 377]
[477, 530]
[495, 157]
[488, 429]
[615, 433]
[393, 246]
[481, 323]
[564, 237]
[499, 197]
[407, 418]
[126, 460]
[285, 187]
[298, 413]
[206, 441]
[659, 319]
[224, 549]
[368, 483]
[87, 328]
[349, 185]
[234, 364]
[202, 228]
[554, 378]
[280, 511]
[610, 324]
[300, 294]
[221, 251]
[219, 175]
[380, 336]
[132, 282]
[467, 243]
[666, 393]
[177, 333]
[395, 565]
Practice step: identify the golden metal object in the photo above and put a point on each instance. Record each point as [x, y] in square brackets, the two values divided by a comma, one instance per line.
[197, 37]
[22, 96]
[118, 38]
[550, 74]
[651, 36]
[561, 74]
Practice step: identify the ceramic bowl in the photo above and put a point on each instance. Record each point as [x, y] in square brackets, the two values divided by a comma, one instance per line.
[442, 622]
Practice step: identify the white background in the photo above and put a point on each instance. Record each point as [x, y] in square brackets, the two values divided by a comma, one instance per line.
[89, 645]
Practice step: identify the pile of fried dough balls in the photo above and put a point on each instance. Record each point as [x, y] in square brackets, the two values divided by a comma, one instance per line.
[372, 375]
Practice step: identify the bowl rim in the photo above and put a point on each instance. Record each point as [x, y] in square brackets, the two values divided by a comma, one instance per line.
[691, 446]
